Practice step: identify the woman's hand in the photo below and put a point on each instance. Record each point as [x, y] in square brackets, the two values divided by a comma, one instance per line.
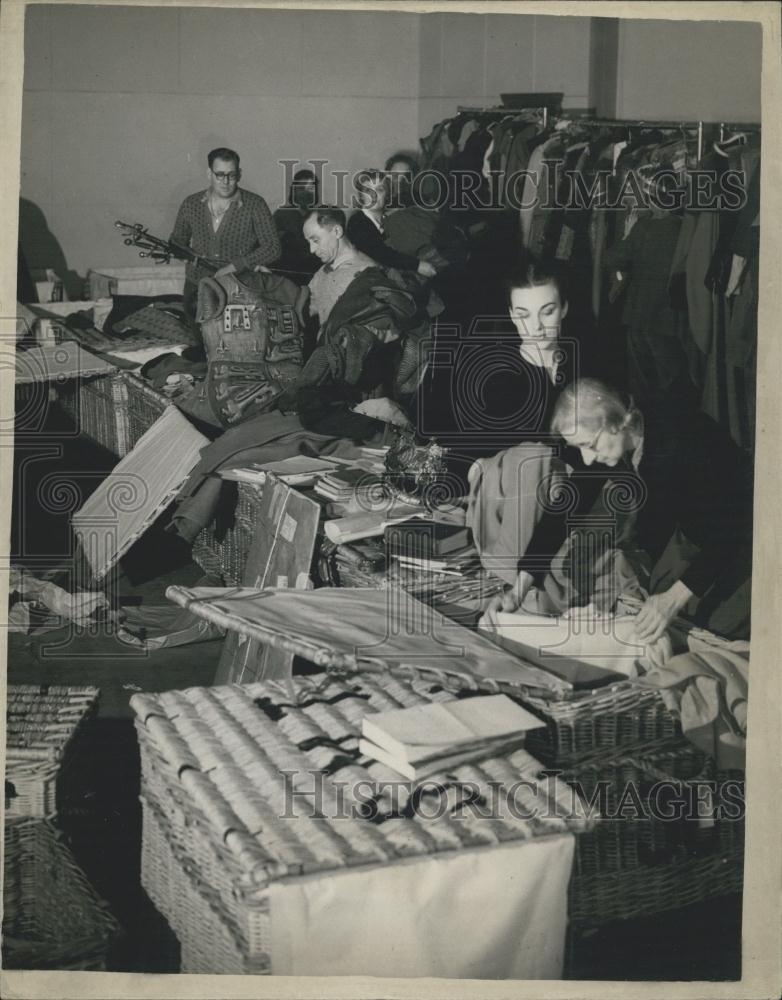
[659, 610]
[509, 601]
[426, 270]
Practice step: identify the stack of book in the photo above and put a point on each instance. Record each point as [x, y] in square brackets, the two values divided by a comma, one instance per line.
[439, 565]
[298, 470]
[356, 564]
[344, 485]
[429, 739]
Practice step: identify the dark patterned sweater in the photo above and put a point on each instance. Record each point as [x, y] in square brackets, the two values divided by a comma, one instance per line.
[245, 237]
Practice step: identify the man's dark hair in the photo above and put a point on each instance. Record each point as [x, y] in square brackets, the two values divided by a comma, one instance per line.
[223, 153]
[532, 272]
[403, 158]
[328, 217]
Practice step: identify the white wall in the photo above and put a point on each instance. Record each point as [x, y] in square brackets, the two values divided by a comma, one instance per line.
[121, 106]
[471, 59]
[689, 70]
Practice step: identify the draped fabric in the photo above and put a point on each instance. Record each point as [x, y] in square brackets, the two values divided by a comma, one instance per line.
[707, 690]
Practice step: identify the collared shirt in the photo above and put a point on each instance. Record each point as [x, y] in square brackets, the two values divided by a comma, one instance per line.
[246, 235]
[217, 217]
[329, 282]
[378, 223]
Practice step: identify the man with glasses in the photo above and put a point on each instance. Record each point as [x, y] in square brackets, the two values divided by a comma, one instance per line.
[224, 224]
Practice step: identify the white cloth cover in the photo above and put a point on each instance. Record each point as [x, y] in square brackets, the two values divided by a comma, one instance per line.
[497, 913]
[581, 647]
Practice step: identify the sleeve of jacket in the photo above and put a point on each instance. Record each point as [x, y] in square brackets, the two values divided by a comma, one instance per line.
[365, 236]
[552, 528]
[183, 226]
[268, 248]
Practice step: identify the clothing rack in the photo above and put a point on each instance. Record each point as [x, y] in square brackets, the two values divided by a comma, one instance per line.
[697, 126]
[543, 111]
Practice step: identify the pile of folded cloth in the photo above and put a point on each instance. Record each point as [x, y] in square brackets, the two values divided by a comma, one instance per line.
[127, 329]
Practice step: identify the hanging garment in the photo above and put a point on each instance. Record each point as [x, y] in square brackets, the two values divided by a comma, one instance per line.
[657, 362]
[486, 167]
[534, 186]
[741, 334]
[553, 150]
[253, 339]
[693, 299]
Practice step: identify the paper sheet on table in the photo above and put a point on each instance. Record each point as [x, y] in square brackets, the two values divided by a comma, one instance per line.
[498, 913]
[351, 625]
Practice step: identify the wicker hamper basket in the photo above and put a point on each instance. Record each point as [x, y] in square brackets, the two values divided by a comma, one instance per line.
[648, 889]
[45, 730]
[656, 809]
[52, 917]
[623, 715]
[222, 548]
[96, 405]
[213, 792]
[143, 406]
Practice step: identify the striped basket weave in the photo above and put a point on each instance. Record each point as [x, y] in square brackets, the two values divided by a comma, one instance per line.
[45, 726]
[143, 406]
[52, 917]
[221, 550]
[213, 795]
[96, 405]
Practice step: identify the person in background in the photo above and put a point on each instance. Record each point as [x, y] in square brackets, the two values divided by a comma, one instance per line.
[224, 223]
[296, 261]
[366, 230]
[400, 169]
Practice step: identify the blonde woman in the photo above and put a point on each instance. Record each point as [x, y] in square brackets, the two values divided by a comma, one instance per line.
[694, 518]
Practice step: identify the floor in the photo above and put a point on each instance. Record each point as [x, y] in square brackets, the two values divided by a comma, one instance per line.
[700, 942]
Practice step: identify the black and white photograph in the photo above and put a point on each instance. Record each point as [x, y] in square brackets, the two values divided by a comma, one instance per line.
[389, 468]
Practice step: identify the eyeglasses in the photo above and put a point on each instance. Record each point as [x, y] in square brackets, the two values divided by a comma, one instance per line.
[591, 445]
[225, 177]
